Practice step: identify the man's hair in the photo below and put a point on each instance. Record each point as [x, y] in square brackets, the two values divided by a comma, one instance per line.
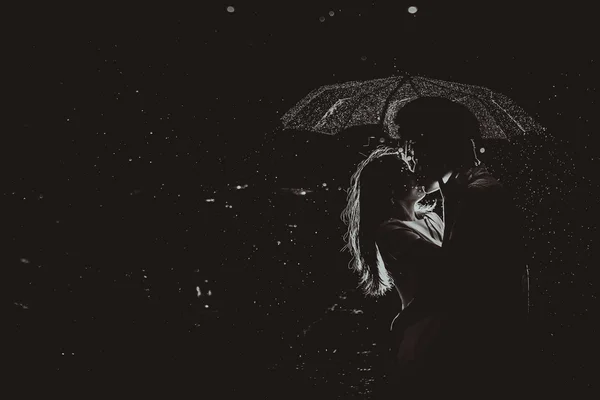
[437, 118]
[446, 126]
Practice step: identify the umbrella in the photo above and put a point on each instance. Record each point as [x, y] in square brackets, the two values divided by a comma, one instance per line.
[333, 108]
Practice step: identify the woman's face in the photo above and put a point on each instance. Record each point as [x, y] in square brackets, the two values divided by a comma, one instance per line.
[415, 190]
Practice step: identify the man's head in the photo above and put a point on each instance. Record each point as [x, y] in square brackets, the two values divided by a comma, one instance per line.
[438, 133]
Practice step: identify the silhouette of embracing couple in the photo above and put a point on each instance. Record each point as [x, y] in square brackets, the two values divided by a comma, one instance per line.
[460, 277]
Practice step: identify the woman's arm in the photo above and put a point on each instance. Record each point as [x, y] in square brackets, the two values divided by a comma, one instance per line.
[437, 221]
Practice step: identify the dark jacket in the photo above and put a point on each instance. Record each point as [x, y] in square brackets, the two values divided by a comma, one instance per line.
[475, 305]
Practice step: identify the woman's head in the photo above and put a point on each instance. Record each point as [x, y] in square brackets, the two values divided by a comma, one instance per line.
[380, 181]
[385, 176]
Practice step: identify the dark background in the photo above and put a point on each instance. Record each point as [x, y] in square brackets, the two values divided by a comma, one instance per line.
[143, 168]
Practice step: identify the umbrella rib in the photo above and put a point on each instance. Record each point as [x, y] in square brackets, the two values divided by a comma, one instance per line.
[358, 104]
[291, 113]
[389, 98]
[506, 112]
[412, 85]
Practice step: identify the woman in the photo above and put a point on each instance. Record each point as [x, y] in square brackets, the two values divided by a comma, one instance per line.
[394, 241]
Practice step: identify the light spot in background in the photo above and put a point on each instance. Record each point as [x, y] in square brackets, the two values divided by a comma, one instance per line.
[322, 19]
[199, 293]
[24, 261]
[412, 9]
[331, 13]
[482, 150]
[230, 9]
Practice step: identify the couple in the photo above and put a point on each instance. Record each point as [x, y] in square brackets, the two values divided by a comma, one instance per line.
[461, 330]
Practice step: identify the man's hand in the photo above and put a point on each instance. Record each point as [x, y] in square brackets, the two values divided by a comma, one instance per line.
[455, 188]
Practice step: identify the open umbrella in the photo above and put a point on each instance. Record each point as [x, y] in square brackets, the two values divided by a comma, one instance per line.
[334, 108]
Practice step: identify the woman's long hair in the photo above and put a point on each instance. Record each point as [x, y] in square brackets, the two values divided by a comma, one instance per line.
[377, 178]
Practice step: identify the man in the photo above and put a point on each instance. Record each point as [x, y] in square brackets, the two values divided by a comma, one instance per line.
[476, 292]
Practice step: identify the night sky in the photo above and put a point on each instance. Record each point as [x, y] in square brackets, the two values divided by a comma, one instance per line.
[161, 230]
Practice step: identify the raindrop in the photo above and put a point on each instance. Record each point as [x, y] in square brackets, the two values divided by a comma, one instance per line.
[331, 13]
[322, 19]
[230, 9]
[482, 150]
[364, 58]
[412, 9]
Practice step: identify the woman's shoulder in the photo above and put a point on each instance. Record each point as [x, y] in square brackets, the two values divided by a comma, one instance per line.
[393, 232]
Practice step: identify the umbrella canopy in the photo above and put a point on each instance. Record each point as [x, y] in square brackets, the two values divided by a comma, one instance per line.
[334, 108]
